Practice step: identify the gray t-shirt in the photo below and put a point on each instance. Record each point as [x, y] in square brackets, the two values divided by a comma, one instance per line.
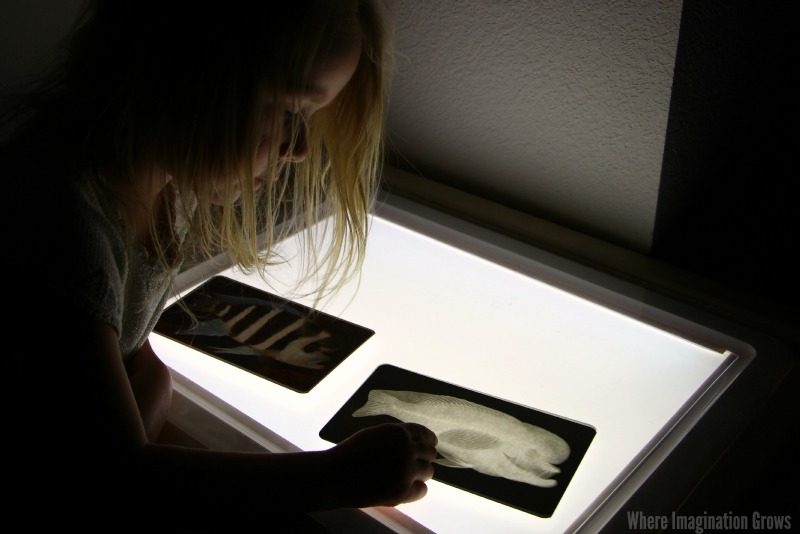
[103, 272]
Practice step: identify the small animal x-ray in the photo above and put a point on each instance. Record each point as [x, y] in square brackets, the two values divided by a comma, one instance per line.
[517, 456]
[282, 341]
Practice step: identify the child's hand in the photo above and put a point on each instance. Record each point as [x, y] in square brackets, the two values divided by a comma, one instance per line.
[386, 465]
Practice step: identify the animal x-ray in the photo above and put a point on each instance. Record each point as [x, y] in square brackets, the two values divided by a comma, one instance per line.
[518, 456]
[269, 336]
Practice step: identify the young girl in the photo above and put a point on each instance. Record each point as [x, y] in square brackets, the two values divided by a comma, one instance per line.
[171, 131]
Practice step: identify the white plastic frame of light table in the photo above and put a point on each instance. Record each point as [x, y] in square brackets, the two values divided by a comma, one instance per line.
[468, 306]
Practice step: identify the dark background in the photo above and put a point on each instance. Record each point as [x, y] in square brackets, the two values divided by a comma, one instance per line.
[727, 207]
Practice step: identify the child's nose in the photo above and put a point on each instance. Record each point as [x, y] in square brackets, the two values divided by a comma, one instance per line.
[298, 150]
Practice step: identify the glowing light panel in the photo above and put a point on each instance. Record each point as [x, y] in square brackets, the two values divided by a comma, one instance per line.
[446, 313]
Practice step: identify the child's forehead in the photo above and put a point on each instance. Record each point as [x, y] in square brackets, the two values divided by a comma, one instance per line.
[327, 76]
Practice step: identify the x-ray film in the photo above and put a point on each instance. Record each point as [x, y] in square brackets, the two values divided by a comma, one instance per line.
[512, 454]
[282, 341]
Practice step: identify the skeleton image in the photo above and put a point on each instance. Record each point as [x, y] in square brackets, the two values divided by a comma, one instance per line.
[264, 330]
[474, 436]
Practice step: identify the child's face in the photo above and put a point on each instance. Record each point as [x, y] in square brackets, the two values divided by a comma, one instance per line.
[328, 77]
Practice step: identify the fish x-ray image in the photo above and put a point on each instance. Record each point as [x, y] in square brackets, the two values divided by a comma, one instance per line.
[517, 456]
[282, 341]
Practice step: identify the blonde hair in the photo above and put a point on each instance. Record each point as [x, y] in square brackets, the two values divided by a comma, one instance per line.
[152, 87]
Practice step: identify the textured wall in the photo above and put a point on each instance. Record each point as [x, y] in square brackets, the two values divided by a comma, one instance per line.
[555, 107]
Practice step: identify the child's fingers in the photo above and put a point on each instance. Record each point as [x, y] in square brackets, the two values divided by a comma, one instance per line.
[421, 433]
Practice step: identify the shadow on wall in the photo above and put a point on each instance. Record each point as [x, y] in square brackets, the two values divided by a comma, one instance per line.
[729, 185]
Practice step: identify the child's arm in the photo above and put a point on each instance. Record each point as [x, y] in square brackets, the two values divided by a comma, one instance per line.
[151, 383]
[94, 454]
